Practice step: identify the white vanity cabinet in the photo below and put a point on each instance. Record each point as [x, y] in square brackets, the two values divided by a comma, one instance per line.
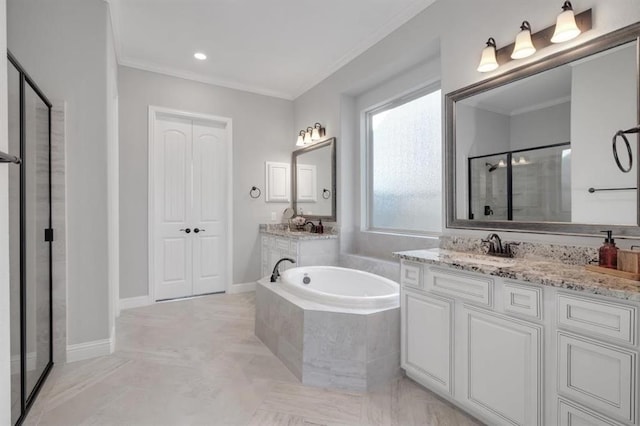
[321, 250]
[516, 353]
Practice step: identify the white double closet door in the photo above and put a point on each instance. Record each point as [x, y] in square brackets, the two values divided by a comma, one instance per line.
[190, 179]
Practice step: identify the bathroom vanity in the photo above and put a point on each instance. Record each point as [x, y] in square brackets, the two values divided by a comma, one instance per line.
[520, 341]
[307, 249]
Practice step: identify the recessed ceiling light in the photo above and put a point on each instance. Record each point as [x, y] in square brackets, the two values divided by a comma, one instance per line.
[200, 56]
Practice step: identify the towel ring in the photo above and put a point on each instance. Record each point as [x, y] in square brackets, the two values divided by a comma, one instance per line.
[622, 134]
[252, 192]
[326, 194]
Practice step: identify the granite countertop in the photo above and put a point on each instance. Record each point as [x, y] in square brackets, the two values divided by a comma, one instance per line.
[537, 271]
[283, 231]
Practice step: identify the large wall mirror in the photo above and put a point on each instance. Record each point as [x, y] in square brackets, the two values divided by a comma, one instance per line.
[531, 149]
[314, 180]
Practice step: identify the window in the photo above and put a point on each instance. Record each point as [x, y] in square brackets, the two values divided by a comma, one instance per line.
[404, 177]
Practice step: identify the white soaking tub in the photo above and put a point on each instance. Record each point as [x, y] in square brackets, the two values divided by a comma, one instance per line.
[341, 287]
[339, 330]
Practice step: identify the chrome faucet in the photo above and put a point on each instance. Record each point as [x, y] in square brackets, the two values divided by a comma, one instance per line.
[312, 229]
[496, 248]
[275, 274]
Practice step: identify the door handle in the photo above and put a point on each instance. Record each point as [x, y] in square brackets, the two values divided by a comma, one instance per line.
[198, 230]
[188, 230]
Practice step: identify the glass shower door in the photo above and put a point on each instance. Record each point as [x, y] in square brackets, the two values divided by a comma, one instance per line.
[30, 239]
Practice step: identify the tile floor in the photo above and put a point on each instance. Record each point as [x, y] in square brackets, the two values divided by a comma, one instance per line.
[197, 362]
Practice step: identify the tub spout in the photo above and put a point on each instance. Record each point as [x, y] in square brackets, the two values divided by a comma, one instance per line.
[275, 274]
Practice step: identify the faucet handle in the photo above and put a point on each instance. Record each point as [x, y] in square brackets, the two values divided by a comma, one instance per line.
[507, 248]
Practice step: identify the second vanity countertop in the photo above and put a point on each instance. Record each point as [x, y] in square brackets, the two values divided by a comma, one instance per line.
[544, 272]
[283, 231]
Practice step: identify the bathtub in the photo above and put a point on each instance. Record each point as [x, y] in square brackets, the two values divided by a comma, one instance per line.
[341, 287]
[341, 330]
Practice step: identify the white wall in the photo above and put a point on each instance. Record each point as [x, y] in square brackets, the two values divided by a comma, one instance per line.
[262, 130]
[62, 45]
[541, 127]
[460, 28]
[5, 357]
[604, 102]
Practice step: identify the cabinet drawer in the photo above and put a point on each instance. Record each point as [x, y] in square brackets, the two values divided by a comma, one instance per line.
[599, 375]
[411, 275]
[523, 300]
[595, 316]
[572, 414]
[460, 285]
[282, 245]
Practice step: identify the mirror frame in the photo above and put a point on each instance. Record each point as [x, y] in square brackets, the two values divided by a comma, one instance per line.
[330, 142]
[591, 47]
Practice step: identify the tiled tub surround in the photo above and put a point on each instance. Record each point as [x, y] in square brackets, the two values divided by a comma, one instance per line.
[305, 248]
[326, 346]
[524, 341]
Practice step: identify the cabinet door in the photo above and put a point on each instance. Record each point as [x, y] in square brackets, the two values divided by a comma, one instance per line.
[502, 367]
[427, 339]
[599, 375]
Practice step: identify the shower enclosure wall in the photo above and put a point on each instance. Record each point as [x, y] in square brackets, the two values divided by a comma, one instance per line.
[30, 238]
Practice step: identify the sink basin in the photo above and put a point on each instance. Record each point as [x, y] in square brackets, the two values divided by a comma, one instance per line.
[499, 262]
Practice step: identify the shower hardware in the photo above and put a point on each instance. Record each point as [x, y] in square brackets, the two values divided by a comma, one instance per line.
[622, 133]
[8, 158]
[492, 167]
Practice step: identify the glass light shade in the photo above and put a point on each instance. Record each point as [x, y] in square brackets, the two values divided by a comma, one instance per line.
[307, 137]
[488, 60]
[502, 163]
[300, 141]
[524, 46]
[566, 28]
[315, 134]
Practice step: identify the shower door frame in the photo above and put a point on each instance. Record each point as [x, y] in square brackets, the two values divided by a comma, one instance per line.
[26, 401]
[509, 165]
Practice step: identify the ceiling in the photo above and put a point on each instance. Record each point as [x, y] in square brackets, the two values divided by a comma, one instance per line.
[278, 47]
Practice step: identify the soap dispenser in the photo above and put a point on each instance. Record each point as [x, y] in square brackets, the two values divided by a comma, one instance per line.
[608, 253]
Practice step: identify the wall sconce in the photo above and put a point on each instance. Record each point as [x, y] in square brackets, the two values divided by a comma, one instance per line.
[488, 61]
[310, 135]
[524, 46]
[566, 27]
[318, 132]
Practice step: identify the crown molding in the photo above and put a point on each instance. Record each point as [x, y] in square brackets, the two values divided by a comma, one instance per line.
[186, 75]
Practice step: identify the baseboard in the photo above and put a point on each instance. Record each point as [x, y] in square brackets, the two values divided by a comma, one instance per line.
[88, 350]
[133, 302]
[112, 340]
[242, 288]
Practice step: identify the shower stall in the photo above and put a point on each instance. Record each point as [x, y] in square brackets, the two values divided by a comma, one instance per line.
[30, 238]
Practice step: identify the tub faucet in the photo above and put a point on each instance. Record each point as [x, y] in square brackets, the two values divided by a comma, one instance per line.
[275, 274]
[312, 229]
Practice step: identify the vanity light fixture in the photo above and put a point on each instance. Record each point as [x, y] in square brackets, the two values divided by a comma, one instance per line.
[307, 135]
[566, 27]
[200, 56]
[318, 132]
[524, 46]
[300, 141]
[488, 61]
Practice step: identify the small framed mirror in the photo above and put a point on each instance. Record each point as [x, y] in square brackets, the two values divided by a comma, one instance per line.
[531, 149]
[313, 177]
